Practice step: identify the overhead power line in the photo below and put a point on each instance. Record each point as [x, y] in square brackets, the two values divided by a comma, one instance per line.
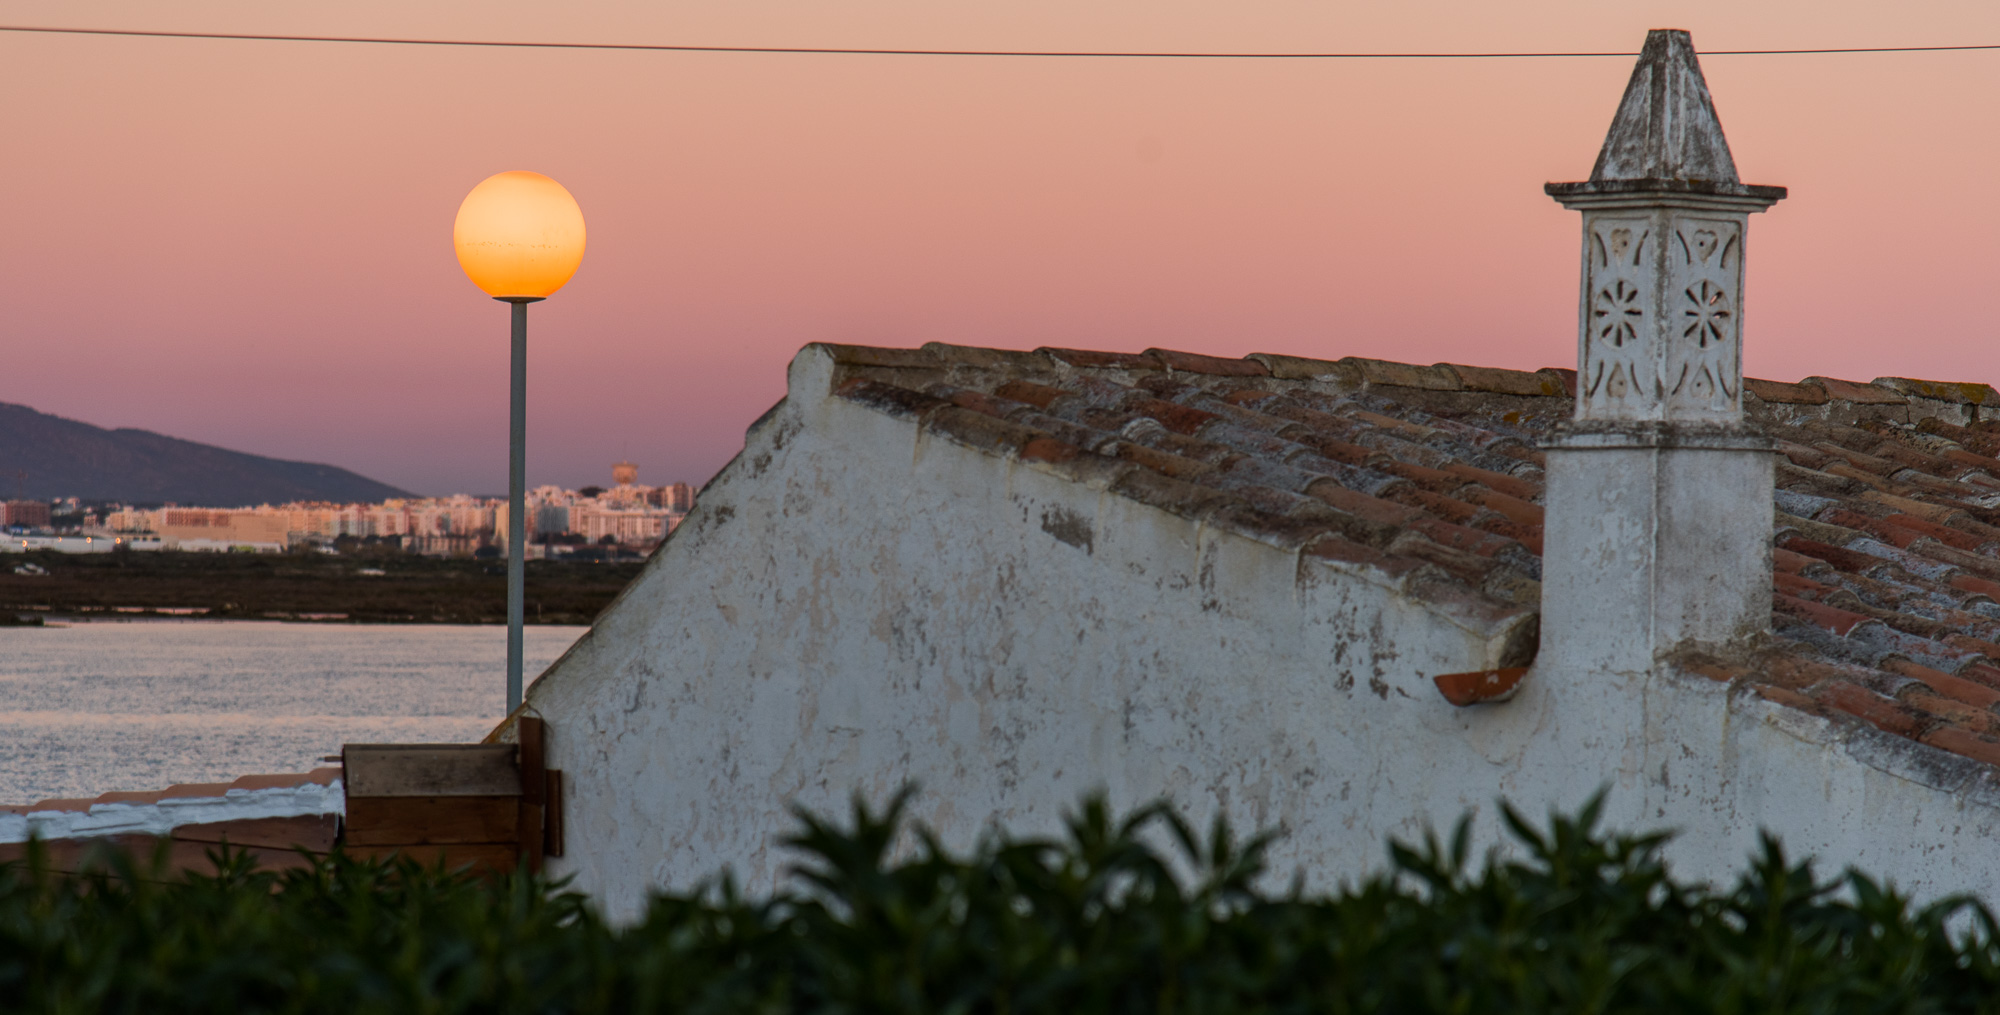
[845, 51]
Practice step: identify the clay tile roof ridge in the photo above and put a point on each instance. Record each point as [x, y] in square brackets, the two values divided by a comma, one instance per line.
[1886, 555]
[1858, 392]
[1961, 392]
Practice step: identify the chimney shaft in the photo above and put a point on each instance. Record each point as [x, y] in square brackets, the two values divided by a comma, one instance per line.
[1659, 496]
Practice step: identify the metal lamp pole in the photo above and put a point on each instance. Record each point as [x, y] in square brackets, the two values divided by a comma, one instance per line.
[517, 486]
[519, 237]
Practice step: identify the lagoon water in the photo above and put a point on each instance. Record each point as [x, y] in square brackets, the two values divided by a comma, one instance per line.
[143, 704]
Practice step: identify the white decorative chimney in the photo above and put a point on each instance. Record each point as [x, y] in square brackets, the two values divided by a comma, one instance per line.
[1659, 496]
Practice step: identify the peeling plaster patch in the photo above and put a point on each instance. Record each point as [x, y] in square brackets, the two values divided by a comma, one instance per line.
[1069, 526]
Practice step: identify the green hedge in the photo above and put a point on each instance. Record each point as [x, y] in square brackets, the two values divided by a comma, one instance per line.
[1100, 921]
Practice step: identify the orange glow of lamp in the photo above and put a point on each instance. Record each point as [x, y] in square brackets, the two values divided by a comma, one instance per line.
[519, 237]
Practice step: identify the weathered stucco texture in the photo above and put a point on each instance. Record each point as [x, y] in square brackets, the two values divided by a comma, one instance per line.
[857, 602]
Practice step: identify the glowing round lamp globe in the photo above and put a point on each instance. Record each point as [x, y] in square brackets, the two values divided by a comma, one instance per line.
[519, 234]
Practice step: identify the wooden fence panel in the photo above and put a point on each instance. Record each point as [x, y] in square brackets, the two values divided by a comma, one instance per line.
[486, 805]
[432, 820]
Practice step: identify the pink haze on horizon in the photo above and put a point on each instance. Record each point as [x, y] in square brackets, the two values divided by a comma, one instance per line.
[249, 244]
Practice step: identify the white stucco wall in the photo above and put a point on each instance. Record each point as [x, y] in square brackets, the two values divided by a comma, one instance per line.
[856, 602]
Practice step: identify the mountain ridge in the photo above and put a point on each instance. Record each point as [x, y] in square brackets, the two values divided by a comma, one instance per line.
[64, 457]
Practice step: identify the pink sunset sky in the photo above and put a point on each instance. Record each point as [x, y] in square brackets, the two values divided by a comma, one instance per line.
[249, 243]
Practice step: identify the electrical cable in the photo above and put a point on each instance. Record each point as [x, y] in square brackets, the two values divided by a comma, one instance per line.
[1055, 54]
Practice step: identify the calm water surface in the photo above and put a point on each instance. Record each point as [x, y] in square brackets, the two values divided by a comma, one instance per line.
[144, 704]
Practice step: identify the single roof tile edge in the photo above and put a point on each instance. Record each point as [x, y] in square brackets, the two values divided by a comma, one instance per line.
[879, 356]
[890, 399]
[1802, 393]
[1964, 743]
[1389, 373]
[1303, 368]
[194, 790]
[1961, 392]
[1856, 392]
[1875, 730]
[983, 358]
[1198, 363]
[1101, 360]
[1479, 686]
[1501, 381]
[152, 797]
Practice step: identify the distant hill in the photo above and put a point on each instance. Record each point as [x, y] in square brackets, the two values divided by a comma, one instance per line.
[65, 458]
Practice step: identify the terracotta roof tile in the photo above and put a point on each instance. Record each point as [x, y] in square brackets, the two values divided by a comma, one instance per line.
[1506, 382]
[1881, 712]
[1886, 605]
[1779, 391]
[62, 804]
[986, 359]
[1790, 562]
[1501, 482]
[1951, 712]
[889, 398]
[1405, 375]
[1196, 363]
[1048, 449]
[1982, 673]
[1968, 692]
[1300, 368]
[1347, 551]
[1967, 393]
[1101, 360]
[130, 798]
[1964, 742]
[1798, 672]
[1792, 699]
[1859, 394]
[1976, 585]
[1832, 618]
[1480, 685]
[875, 356]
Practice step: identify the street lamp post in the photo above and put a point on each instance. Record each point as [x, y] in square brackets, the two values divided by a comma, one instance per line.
[519, 237]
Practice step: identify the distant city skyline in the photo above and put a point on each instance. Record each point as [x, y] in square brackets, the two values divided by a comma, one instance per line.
[249, 244]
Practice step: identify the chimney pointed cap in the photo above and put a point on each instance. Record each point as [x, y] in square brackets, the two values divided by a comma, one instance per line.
[1666, 136]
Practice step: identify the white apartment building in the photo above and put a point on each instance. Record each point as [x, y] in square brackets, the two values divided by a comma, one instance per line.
[632, 515]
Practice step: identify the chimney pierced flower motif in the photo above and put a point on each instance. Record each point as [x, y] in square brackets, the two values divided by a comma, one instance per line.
[1707, 314]
[1618, 313]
